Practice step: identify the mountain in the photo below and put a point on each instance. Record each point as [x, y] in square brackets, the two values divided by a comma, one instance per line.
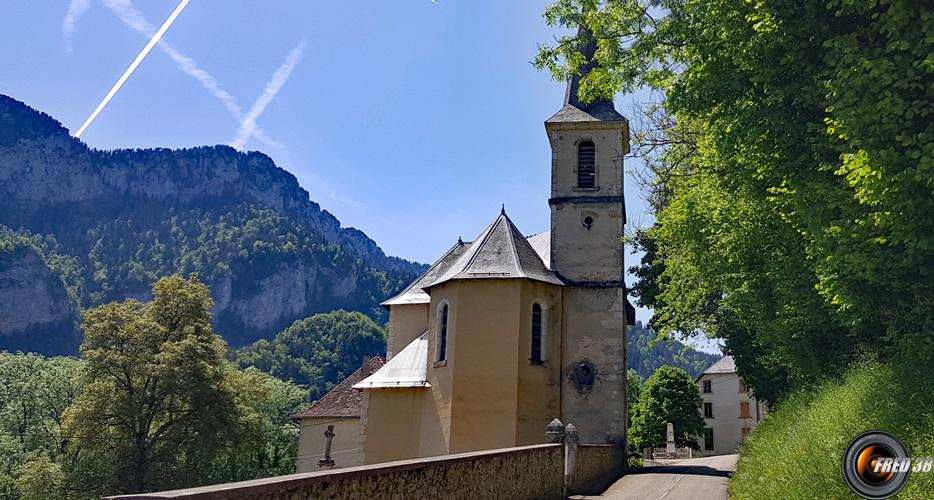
[81, 227]
[645, 358]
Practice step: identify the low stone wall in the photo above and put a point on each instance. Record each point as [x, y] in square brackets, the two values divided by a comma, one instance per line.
[597, 467]
[514, 473]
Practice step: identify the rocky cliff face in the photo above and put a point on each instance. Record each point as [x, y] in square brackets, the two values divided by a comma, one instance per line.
[115, 212]
[35, 309]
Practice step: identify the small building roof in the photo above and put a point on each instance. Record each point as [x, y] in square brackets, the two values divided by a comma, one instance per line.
[343, 401]
[722, 365]
[499, 252]
[409, 368]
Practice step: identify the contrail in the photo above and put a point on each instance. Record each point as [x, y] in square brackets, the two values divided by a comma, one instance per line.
[75, 9]
[136, 62]
[133, 18]
[272, 88]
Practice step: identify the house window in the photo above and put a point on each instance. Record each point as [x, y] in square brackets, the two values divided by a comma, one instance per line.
[443, 334]
[744, 409]
[586, 165]
[708, 439]
[744, 432]
[536, 358]
[707, 387]
[742, 387]
[708, 410]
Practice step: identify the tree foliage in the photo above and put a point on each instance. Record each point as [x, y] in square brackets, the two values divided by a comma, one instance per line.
[151, 405]
[669, 395]
[318, 351]
[790, 157]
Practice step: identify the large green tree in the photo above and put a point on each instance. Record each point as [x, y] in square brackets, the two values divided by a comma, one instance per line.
[669, 395]
[156, 406]
[790, 157]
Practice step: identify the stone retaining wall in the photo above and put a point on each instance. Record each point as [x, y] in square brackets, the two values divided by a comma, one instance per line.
[523, 472]
[598, 466]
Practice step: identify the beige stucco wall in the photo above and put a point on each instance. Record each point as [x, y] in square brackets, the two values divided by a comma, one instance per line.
[344, 446]
[726, 422]
[406, 323]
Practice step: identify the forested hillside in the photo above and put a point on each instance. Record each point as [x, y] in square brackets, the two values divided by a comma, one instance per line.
[81, 227]
[645, 358]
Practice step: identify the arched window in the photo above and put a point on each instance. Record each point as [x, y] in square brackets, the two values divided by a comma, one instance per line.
[586, 165]
[536, 358]
[443, 334]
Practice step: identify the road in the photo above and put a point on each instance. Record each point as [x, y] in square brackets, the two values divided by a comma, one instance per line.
[687, 479]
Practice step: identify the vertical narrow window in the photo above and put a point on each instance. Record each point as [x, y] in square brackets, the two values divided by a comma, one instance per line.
[708, 439]
[586, 165]
[744, 409]
[443, 334]
[536, 358]
[708, 410]
[707, 387]
[744, 433]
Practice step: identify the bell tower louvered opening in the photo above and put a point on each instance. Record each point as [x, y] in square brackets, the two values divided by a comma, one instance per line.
[586, 165]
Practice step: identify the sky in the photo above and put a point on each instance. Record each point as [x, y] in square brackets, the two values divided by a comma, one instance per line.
[411, 120]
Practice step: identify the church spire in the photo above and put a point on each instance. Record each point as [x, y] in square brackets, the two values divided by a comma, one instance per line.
[600, 109]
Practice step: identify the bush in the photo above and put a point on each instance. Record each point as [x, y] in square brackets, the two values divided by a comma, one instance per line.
[797, 450]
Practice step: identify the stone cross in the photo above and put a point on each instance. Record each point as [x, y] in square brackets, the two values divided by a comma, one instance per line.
[670, 447]
[326, 461]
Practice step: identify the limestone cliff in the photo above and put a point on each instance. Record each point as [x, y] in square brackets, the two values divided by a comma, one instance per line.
[270, 253]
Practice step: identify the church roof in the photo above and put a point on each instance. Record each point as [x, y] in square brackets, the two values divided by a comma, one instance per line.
[409, 368]
[541, 243]
[343, 401]
[499, 252]
[598, 110]
[414, 293]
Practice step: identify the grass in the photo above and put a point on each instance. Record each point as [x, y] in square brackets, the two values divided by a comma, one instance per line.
[796, 452]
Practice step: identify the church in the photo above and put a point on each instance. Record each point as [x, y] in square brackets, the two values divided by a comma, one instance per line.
[506, 332]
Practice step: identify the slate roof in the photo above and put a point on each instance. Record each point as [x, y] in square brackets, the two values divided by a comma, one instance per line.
[343, 401]
[413, 294]
[722, 365]
[541, 243]
[499, 252]
[409, 368]
[599, 110]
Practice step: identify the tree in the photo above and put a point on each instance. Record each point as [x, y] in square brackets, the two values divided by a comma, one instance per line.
[319, 351]
[156, 404]
[790, 156]
[669, 395]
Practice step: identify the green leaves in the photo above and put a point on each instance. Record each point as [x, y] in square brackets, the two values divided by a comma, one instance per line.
[795, 221]
[669, 395]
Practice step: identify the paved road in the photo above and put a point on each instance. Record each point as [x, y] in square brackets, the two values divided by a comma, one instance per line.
[688, 479]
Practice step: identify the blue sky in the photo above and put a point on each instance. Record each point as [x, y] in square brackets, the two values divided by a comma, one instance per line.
[410, 120]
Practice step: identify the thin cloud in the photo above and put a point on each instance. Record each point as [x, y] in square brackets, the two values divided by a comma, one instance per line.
[248, 125]
[133, 65]
[75, 9]
[134, 19]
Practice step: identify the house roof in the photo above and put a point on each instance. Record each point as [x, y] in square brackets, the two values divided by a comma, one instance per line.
[343, 401]
[574, 110]
[722, 365]
[409, 368]
[499, 252]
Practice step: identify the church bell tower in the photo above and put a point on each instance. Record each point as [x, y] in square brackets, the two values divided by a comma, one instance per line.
[588, 143]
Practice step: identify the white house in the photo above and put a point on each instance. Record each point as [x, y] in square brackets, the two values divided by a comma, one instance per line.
[729, 409]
